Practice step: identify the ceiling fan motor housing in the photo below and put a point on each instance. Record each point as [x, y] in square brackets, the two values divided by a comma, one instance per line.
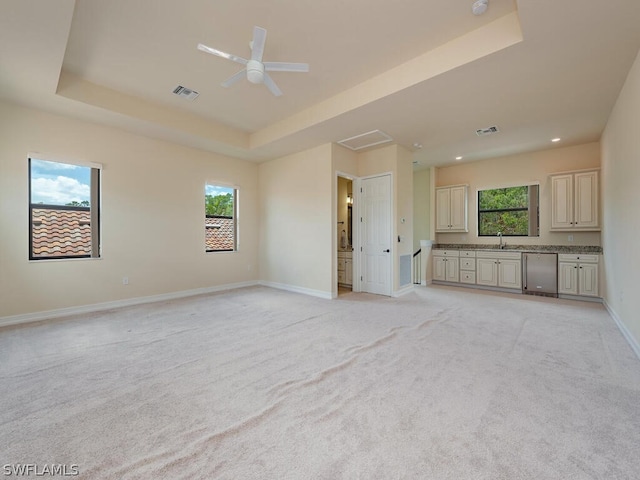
[255, 71]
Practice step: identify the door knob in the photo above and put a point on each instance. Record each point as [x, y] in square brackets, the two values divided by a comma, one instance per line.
[386, 251]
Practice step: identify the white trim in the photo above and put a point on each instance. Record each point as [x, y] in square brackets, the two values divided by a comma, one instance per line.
[96, 307]
[633, 343]
[403, 291]
[296, 289]
[46, 157]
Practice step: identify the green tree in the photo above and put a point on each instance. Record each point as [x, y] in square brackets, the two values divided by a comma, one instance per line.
[504, 210]
[221, 205]
[75, 203]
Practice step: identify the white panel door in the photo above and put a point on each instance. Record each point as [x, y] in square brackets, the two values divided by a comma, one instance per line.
[568, 278]
[586, 207]
[562, 201]
[375, 227]
[443, 209]
[510, 273]
[458, 213]
[439, 268]
[487, 271]
[588, 279]
[452, 270]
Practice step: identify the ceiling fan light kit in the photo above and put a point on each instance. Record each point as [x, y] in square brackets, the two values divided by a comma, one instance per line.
[255, 69]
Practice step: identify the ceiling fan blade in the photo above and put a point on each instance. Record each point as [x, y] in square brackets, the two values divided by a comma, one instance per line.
[235, 78]
[271, 85]
[286, 67]
[219, 53]
[257, 44]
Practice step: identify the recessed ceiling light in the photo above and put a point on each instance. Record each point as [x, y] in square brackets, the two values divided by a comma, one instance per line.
[458, 158]
[417, 145]
[555, 139]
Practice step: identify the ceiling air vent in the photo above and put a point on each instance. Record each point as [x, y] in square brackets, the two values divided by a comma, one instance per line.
[185, 92]
[365, 140]
[487, 131]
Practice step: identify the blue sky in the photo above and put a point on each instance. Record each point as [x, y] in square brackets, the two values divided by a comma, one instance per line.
[215, 190]
[56, 183]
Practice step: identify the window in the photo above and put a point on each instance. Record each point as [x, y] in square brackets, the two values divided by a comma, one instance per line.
[64, 217]
[512, 211]
[220, 218]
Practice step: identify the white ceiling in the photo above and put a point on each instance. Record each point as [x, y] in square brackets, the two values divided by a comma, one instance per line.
[425, 71]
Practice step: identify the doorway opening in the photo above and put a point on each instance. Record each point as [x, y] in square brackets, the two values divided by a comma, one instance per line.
[345, 237]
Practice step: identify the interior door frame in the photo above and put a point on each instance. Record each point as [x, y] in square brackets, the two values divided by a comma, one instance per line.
[392, 244]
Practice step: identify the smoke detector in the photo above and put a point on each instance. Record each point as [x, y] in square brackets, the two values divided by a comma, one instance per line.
[479, 7]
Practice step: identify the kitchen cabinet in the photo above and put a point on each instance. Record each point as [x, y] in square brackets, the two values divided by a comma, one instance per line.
[451, 209]
[578, 274]
[574, 201]
[446, 265]
[499, 269]
[345, 269]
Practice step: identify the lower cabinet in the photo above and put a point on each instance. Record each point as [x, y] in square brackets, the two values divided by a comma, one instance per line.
[345, 269]
[578, 275]
[499, 269]
[446, 265]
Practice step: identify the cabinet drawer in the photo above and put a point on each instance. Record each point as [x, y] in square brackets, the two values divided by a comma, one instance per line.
[570, 257]
[467, 253]
[467, 277]
[468, 264]
[446, 253]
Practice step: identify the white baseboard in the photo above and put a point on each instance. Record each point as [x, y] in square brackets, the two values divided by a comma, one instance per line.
[635, 346]
[403, 291]
[296, 289]
[96, 307]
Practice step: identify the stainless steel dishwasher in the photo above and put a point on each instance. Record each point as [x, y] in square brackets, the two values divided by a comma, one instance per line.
[540, 274]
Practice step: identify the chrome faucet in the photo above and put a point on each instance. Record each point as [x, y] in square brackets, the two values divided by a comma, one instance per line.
[502, 245]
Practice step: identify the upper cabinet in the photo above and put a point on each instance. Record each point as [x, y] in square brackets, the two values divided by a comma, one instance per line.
[574, 201]
[451, 209]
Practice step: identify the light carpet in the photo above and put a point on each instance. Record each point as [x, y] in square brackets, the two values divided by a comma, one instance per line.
[257, 383]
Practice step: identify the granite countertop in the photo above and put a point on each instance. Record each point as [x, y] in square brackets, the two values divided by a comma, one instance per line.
[521, 248]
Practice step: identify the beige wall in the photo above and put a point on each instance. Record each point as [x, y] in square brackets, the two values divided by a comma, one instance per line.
[521, 169]
[421, 206]
[297, 215]
[152, 214]
[621, 179]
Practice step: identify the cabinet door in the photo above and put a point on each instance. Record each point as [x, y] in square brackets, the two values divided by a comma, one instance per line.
[439, 268]
[568, 278]
[562, 201]
[458, 214]
[487, 271]
[586, 200]
[452, 269]
[588, 279]
[510, 273]
[443, 209]
[348, 271]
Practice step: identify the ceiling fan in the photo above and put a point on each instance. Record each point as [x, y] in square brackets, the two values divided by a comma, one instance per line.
[255, 69]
